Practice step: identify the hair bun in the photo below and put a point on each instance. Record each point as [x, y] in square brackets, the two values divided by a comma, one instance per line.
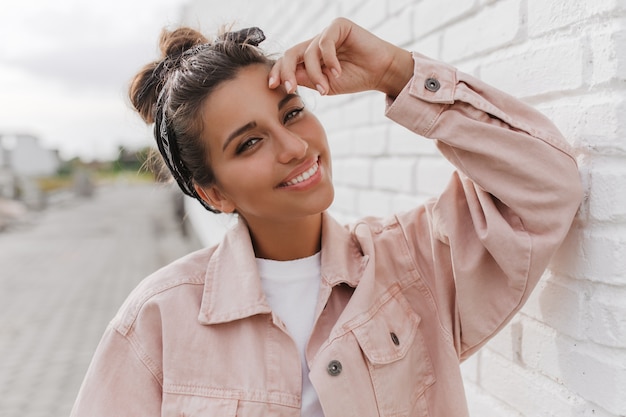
[145, 87]
[174, 43]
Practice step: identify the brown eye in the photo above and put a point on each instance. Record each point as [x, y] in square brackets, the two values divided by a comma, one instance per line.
[247, 144]
[290, 115]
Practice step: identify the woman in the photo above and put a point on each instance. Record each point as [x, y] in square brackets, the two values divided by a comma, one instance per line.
[293, 314]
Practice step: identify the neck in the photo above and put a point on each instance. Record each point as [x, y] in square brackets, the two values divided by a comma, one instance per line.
[286, 240]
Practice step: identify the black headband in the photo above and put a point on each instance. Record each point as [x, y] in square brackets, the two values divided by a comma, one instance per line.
[163, 132]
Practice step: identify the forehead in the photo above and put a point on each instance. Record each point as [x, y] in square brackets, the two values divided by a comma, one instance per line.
[238, 101]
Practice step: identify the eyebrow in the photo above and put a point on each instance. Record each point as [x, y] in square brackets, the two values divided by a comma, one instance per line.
[251, 125]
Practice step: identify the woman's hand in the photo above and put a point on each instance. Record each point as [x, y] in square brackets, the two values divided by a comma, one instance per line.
[344, 58]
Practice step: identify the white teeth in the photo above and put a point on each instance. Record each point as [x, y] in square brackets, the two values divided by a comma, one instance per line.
[304, 176]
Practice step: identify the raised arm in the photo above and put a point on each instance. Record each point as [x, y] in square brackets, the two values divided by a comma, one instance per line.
[485, 242]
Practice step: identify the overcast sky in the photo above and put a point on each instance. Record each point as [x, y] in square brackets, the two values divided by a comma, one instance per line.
[65, 67]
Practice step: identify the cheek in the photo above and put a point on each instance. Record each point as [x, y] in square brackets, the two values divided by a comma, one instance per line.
[242, 180]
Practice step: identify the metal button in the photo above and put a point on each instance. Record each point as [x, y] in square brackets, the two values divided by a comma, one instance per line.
[394, 339]
[334, 368]
[432, 84]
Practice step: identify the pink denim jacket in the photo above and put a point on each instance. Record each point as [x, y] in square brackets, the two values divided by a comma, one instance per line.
[402, 301]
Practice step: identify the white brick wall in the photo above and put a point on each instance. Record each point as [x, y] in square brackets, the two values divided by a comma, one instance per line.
[565, 354]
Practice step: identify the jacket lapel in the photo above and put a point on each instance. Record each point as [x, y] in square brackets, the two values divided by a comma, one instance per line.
[232, 288]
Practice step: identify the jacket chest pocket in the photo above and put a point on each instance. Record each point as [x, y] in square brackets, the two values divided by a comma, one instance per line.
[398, 360]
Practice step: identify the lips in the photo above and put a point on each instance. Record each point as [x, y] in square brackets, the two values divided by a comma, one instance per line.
[302, 175]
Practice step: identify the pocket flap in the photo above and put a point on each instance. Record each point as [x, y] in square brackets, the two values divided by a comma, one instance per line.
[389, 334]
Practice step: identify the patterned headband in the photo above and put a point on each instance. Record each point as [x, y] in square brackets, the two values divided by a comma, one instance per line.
[163, 131]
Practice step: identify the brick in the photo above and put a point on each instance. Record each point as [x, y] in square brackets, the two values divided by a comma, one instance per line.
[288, 30]
[606, 312]
[515, 386]
[599, 376]
[592, 372]
[352, 172]
[547, 16]
[369, 13]
[377, 109]
[394, 174]
[332, 111]
[398, 6]
[560, 303]
[541, 349]
[595, 254]
[404, 202]
[369, 141]
[433, 174]
[483, 404]
[493, 27]
[429, 46]
[594, 122]
[607, 199]
[470, 368]
[345, 199]
[340, 144]
[606, 251]
[403, 142]
[433, 14]
[398, 29]
[358, 111]
[540, 69]
[374, 203]
[608, 53]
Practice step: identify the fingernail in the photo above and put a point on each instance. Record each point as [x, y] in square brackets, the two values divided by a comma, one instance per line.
[271, 81]
[288, 86]
[320, 89]
[335, 72]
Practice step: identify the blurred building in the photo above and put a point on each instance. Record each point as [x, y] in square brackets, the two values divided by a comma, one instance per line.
[22, 158]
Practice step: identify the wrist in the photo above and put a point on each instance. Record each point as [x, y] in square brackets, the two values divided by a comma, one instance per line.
[398, 74]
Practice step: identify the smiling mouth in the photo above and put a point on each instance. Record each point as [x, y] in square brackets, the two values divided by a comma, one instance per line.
[303, 176]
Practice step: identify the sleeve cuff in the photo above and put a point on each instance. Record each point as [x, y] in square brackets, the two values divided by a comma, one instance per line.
[426, 95]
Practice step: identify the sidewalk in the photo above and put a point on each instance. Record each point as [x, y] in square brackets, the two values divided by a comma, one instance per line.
[63, 277]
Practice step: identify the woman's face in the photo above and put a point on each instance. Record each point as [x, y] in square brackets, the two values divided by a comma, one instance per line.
[269, 154]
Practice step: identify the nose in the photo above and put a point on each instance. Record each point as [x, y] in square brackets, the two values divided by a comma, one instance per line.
[289, 146]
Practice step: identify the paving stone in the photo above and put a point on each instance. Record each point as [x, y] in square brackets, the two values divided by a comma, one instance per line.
[62, 278]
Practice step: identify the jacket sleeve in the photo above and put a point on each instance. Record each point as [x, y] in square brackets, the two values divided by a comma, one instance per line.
[482, 246]
[118, 383]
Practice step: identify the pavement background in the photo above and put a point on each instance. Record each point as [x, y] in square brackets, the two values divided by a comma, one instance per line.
[63, 275]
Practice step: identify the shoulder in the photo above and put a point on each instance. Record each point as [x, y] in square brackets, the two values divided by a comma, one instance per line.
[395, 240]
[170, 284]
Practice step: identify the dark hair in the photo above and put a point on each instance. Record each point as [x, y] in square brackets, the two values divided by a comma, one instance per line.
[171, 92]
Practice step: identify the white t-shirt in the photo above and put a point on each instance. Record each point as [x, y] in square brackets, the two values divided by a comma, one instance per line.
[291, 289]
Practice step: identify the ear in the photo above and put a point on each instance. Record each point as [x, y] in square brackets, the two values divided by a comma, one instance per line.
[215, 198]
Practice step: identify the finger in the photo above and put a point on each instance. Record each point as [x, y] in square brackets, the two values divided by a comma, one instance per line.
[302, 77]
[286, 70]
[274, 74]
[313, 66]
[329, 40]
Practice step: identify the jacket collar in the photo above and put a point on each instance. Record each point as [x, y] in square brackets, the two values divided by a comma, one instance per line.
[232, 287]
